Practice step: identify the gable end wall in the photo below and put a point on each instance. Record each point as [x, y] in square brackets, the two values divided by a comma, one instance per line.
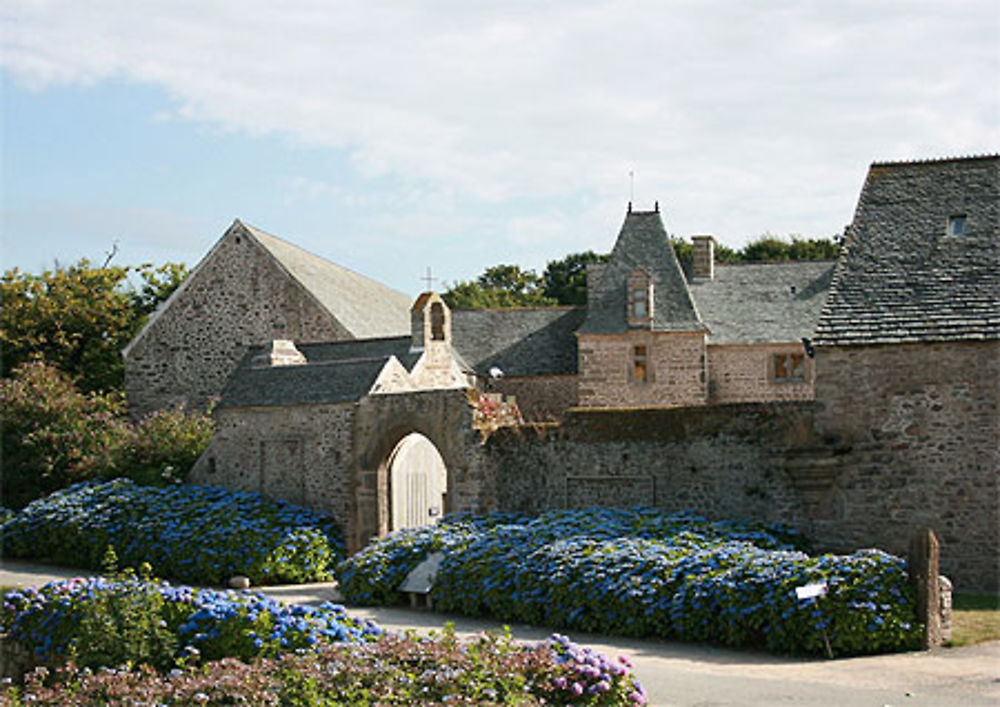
[236, 298]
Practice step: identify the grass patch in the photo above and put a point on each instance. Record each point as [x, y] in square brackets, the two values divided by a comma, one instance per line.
[975, 619]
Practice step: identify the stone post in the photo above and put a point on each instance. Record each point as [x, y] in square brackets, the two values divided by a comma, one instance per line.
[923, 573]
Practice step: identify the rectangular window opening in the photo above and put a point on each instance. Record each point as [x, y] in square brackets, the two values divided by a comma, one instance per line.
[789, 368]
[640, 372]
[956, 225]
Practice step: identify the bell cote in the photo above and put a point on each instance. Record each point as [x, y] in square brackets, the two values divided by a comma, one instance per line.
[430, 322]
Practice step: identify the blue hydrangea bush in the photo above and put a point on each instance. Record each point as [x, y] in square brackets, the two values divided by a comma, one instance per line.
[72, 618]
[243, 648]
[196, 534]
[644, 573]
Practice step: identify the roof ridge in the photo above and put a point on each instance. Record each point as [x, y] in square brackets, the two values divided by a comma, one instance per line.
[938, 160]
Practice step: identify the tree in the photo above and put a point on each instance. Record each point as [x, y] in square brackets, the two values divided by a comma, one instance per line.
[54, 435]
[499, 286]
[79, 318]
[565, 281]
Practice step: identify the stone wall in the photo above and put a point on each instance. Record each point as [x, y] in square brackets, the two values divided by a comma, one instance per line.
[674, 363]
[238, 297]
[739, 374]
[922, 424]
[846, 477]
[297, 453]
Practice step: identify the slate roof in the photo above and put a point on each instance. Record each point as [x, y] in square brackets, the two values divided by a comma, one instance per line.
[520, 342]
[364, 307]
[336, 372]
[762, 302]
[901, 277]
[642, 241]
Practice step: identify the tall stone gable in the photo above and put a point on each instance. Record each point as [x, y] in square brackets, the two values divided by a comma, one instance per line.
[249, 289]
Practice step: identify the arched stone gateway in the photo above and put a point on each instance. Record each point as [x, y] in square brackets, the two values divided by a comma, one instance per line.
[418, 458]
[418, 483]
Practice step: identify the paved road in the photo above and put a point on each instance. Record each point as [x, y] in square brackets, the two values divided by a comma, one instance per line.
[676, 674]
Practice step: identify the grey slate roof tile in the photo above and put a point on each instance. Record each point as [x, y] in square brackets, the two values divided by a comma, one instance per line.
[364, 307]
[642, 241]
[520, 342]
[335, 372]
[901, 277]
[762, 302]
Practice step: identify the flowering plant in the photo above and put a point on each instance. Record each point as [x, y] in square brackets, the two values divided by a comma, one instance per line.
[641, 572]
[195, 534]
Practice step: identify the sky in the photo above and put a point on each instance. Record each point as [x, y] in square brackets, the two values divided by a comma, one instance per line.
[392, 137]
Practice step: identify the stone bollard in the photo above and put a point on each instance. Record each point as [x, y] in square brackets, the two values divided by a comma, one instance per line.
[946, 590]
[239, 582]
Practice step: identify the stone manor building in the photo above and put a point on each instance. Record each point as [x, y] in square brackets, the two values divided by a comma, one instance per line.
[855, 400]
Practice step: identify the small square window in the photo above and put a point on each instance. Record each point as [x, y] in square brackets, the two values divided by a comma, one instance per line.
[956, 225]
[789, 368]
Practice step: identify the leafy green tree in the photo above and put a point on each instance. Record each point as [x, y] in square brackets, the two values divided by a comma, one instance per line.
[80, 317]
[565, 281]
[54, 435]
[499, 286]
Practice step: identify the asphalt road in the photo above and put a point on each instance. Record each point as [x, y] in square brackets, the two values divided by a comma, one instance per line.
[676, 674]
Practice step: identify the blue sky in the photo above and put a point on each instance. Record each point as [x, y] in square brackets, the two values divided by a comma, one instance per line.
[390, 137]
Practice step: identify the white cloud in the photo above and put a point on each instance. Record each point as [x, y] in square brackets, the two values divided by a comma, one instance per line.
[741, 117]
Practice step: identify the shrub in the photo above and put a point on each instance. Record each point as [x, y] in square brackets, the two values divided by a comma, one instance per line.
[128, 619]
[489, 670]
[646, 573]
[55, 436]
[195, 534]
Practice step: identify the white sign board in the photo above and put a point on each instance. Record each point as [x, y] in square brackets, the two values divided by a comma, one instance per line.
[421, 578]
[809, 591]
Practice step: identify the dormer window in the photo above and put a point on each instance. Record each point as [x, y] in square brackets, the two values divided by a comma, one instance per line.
[640, 299]
[956, 225]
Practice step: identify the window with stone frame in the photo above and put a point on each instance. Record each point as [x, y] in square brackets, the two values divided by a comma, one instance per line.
[640, 363]
[640, 298]
[788, 368]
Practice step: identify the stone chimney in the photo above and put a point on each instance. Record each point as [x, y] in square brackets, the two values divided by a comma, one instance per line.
[279, 352]
[703, 261]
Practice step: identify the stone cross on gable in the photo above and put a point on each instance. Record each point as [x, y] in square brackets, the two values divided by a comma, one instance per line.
[428, 279]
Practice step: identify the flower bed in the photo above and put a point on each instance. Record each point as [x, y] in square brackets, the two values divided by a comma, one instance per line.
[100, 622]
[208, 647]
[195, 534]
[644, 573]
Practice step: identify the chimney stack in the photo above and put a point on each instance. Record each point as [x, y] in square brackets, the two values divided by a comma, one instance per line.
[703, 265]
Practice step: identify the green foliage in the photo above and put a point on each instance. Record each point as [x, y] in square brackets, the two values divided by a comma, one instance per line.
[79, 318]
[54, 436]
[165, 445]
[566, 280]
[125, 625]
[499, 286]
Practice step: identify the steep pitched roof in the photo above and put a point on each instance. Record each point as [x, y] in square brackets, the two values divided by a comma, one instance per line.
[364, 307]
[520, 342]
[765, 302]
[334, 372]
[902, 277]
[642, 242]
